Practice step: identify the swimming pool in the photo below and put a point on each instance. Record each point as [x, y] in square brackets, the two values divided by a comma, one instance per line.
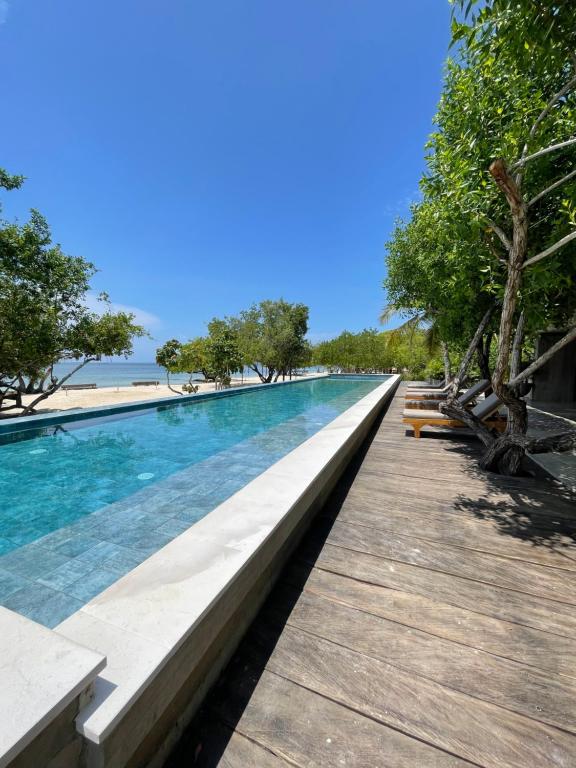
[86, 500]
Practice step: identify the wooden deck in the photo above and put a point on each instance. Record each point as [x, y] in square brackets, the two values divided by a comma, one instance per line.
[427, 620]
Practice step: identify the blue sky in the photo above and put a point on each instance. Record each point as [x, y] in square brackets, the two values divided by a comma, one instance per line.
[206, 155]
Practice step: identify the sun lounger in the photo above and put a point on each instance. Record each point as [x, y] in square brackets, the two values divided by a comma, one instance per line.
[443, 385]
[71, 387]
[145, 383]
[433, 401]
[428, 393]
[486, 410]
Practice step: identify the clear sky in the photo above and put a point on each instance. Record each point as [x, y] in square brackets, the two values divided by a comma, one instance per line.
[207, 155]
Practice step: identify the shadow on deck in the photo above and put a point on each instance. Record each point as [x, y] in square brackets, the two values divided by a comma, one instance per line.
[427, 619]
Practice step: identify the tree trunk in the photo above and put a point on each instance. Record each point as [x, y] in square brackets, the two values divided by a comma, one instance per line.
[447, 363]
[55, 386]
[509, 453]
[483, 357]
[516, 359]
[459, 378]
[170, 387]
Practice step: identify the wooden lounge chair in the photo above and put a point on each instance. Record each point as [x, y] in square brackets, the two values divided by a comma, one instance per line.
[486, 410]
[443, 385]
[428, 393]
[145, 383]
[72, 387]
[432, 401]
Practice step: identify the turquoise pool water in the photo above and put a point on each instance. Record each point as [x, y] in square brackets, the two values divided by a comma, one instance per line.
[83, 502]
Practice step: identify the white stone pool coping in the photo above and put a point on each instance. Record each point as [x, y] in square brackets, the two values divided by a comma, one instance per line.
[141, 621]
[41, 673]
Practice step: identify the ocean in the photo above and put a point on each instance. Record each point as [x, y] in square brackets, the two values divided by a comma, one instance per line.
[116, 374]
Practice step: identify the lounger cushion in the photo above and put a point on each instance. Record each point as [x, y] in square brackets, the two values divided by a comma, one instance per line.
[421, 413]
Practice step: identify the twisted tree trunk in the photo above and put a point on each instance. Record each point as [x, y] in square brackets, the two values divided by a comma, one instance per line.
[483, 357]
[510, 452]
[447, 363]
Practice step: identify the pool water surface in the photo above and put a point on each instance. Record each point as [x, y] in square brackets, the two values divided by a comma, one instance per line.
[84, 502]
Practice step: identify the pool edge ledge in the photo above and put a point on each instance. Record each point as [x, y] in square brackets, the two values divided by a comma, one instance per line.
[46, 679]
[169, 626]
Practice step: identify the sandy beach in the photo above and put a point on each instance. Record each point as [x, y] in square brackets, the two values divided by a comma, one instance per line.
[90, 398]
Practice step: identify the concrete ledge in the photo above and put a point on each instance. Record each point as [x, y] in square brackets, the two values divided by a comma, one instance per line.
[170, 625]
[43, 679]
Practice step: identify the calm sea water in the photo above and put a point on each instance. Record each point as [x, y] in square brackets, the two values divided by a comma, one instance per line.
[123, 374]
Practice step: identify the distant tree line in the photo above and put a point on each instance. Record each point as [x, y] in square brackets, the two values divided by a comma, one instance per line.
[375, 351]
[269, 338]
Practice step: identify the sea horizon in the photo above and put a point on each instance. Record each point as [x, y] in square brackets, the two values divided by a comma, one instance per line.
[109, 373]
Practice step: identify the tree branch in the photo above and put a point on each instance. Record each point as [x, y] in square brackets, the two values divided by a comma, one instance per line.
[516, 358]
[549, 251]
[55, 386]
[543, 359]
[552, 148]
[457, 380]
[552, 187]
[557, 96]
[501, 234]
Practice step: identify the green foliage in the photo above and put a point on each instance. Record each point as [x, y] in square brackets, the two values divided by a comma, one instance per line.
[434, 369]
[448, 262]
[271, 337]
[43, 314]
[223, 351]
[371, 351]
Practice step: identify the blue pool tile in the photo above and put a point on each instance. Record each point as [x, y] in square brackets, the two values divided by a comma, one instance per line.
[76, 545]
[5, 546]
[151, 542]
[98, 554]
[174, 527]
[90, 585]
[9, 583]
[42, 604]
[124, 560]
[31, 562]
[66, 574]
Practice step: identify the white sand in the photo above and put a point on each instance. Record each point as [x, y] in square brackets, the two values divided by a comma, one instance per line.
[89, 398]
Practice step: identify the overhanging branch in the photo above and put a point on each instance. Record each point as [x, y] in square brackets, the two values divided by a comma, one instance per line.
[552, 187]
[549, 251]
[501, 234]
[552, 148]
[554, 100]
[543, 359]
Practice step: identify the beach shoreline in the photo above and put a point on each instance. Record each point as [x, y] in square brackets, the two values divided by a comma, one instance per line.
[110, 395]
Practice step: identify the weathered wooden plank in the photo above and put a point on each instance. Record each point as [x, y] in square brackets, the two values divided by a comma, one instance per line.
[543, 547]
[528, 691]
[510, 519]
[474, 730]
[546, 615]
[438, 625]
[509, 640]
[459, 493]
[218, 746]
[542, 581]
[309, 730]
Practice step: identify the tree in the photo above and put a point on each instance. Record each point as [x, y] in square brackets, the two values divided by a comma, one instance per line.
[501, 183]
[371, 351]
[223, 352]
[271, 338]
[518, 77]
[43, 314]
[169, 357]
